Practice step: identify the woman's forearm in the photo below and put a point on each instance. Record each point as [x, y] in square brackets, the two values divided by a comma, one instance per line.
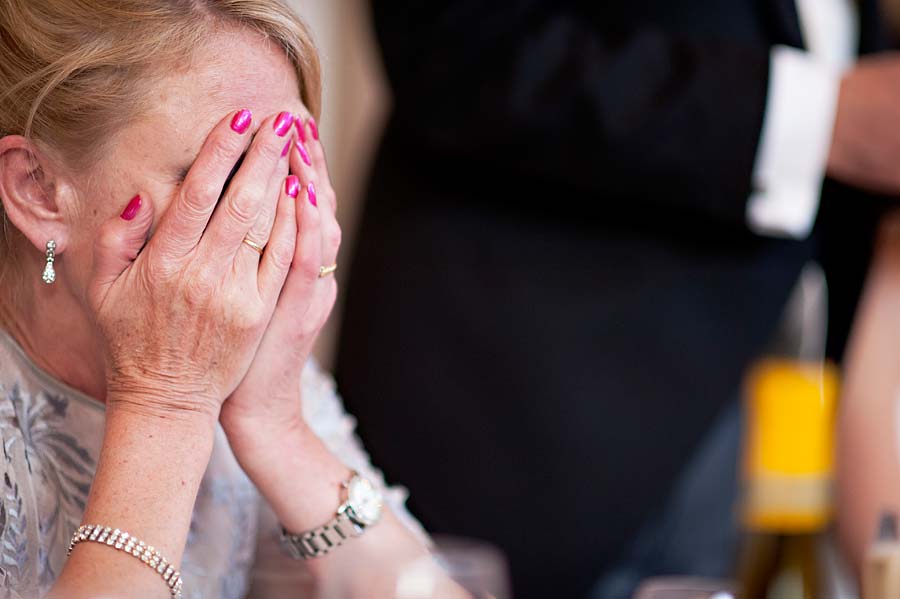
[146, 483]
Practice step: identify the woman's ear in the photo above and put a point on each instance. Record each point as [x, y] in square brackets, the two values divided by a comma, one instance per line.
[31, 191]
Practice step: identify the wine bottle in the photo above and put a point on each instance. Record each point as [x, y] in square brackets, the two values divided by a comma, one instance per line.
[788, 457]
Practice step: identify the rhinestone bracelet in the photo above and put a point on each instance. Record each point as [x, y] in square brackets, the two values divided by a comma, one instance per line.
[123, 541]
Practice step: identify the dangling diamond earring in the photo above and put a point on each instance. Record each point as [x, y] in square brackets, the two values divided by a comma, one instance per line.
[49, 274]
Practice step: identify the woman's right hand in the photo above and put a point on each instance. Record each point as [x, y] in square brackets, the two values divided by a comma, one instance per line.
[183, 313]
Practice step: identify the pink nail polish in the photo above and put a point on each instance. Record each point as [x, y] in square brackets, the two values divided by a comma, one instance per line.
[292, 186]
[287, 148]
[241, 121]
[311, 190]
[132, 208]
[304, 154]
[283, 123]
[313, 128]
[301, 131]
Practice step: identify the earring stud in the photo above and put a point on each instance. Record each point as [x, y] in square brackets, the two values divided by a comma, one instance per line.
[49, 275]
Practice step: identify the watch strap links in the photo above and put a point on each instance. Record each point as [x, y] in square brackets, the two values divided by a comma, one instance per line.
[320, 541]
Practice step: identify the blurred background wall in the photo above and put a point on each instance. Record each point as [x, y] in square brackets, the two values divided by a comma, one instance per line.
[356, 103]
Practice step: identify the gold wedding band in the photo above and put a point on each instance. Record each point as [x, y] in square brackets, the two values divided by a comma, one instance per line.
[255, 247]
[324, 271]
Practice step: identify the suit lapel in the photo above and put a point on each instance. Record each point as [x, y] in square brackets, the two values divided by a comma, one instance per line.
[781, 15]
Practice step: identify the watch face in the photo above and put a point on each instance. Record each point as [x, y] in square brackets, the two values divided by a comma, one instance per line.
[364, 500]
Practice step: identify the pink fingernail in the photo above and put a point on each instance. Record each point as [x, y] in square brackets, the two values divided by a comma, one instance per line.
[301, 132]
[292, 186]
[283, 123]
[304, 154]
[286, 149]
[241, 121]
[132, 208]
[311, 190]
[313, 128]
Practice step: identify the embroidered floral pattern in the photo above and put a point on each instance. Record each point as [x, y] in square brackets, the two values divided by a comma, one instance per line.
[14, 564]
[38, 430]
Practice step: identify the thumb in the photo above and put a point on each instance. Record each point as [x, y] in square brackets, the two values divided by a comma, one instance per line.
[119, 241]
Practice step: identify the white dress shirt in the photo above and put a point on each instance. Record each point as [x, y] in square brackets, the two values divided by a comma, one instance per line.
[799, 119]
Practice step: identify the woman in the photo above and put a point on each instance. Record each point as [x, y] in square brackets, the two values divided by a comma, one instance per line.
[154, 332]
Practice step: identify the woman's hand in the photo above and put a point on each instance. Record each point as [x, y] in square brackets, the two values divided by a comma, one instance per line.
[266, 406]
[263, 417]
[183, 316]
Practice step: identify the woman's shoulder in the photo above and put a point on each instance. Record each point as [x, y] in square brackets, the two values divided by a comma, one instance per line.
[44, 425]
[36, 408]
[17, 370]
[49, 444]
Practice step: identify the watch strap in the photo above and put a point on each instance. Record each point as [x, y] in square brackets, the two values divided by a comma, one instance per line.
[319, 541]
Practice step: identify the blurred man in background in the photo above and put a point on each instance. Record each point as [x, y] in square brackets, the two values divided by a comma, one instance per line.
[583, 224]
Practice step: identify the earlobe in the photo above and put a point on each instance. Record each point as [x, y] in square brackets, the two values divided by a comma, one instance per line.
[31, 193]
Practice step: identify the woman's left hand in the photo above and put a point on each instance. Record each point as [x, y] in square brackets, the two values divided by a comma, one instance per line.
[266, 405]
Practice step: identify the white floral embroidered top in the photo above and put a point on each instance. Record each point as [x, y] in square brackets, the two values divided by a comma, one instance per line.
[51, 436]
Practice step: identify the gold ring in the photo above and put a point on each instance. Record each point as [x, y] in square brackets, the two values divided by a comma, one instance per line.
[255, 247]
[324, 271]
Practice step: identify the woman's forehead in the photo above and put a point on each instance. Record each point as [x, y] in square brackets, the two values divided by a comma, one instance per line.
[224, 77]
[236, 70]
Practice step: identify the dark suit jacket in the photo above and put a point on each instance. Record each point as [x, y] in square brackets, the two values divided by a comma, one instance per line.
[555, 290]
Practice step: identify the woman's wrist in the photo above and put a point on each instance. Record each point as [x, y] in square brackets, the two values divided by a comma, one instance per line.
[146, 483]
[279, 416]
[131, 419]
[148, 475]
[286, 460]
[193, 405]
[302, 481]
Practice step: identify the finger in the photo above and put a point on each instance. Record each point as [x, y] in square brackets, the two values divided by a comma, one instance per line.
[331, 231]
[279, 254]
[182, 226]
[302, 166]
[313, 182]
[326, 286]
[326, 296]
[304, 272]
[260, 233]
[319, 162]
[246, 197]
[119, 241]
[317, 150]
[313, 128]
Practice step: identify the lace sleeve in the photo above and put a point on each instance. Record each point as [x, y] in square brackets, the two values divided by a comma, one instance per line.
[277, 576]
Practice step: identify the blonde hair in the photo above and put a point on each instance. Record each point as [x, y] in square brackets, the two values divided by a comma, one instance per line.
[74, 72]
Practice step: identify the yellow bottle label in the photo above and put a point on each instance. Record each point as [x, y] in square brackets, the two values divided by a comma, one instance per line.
[789, 444]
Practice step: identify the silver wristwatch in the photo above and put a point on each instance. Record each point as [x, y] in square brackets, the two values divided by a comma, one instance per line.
[361, 509]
